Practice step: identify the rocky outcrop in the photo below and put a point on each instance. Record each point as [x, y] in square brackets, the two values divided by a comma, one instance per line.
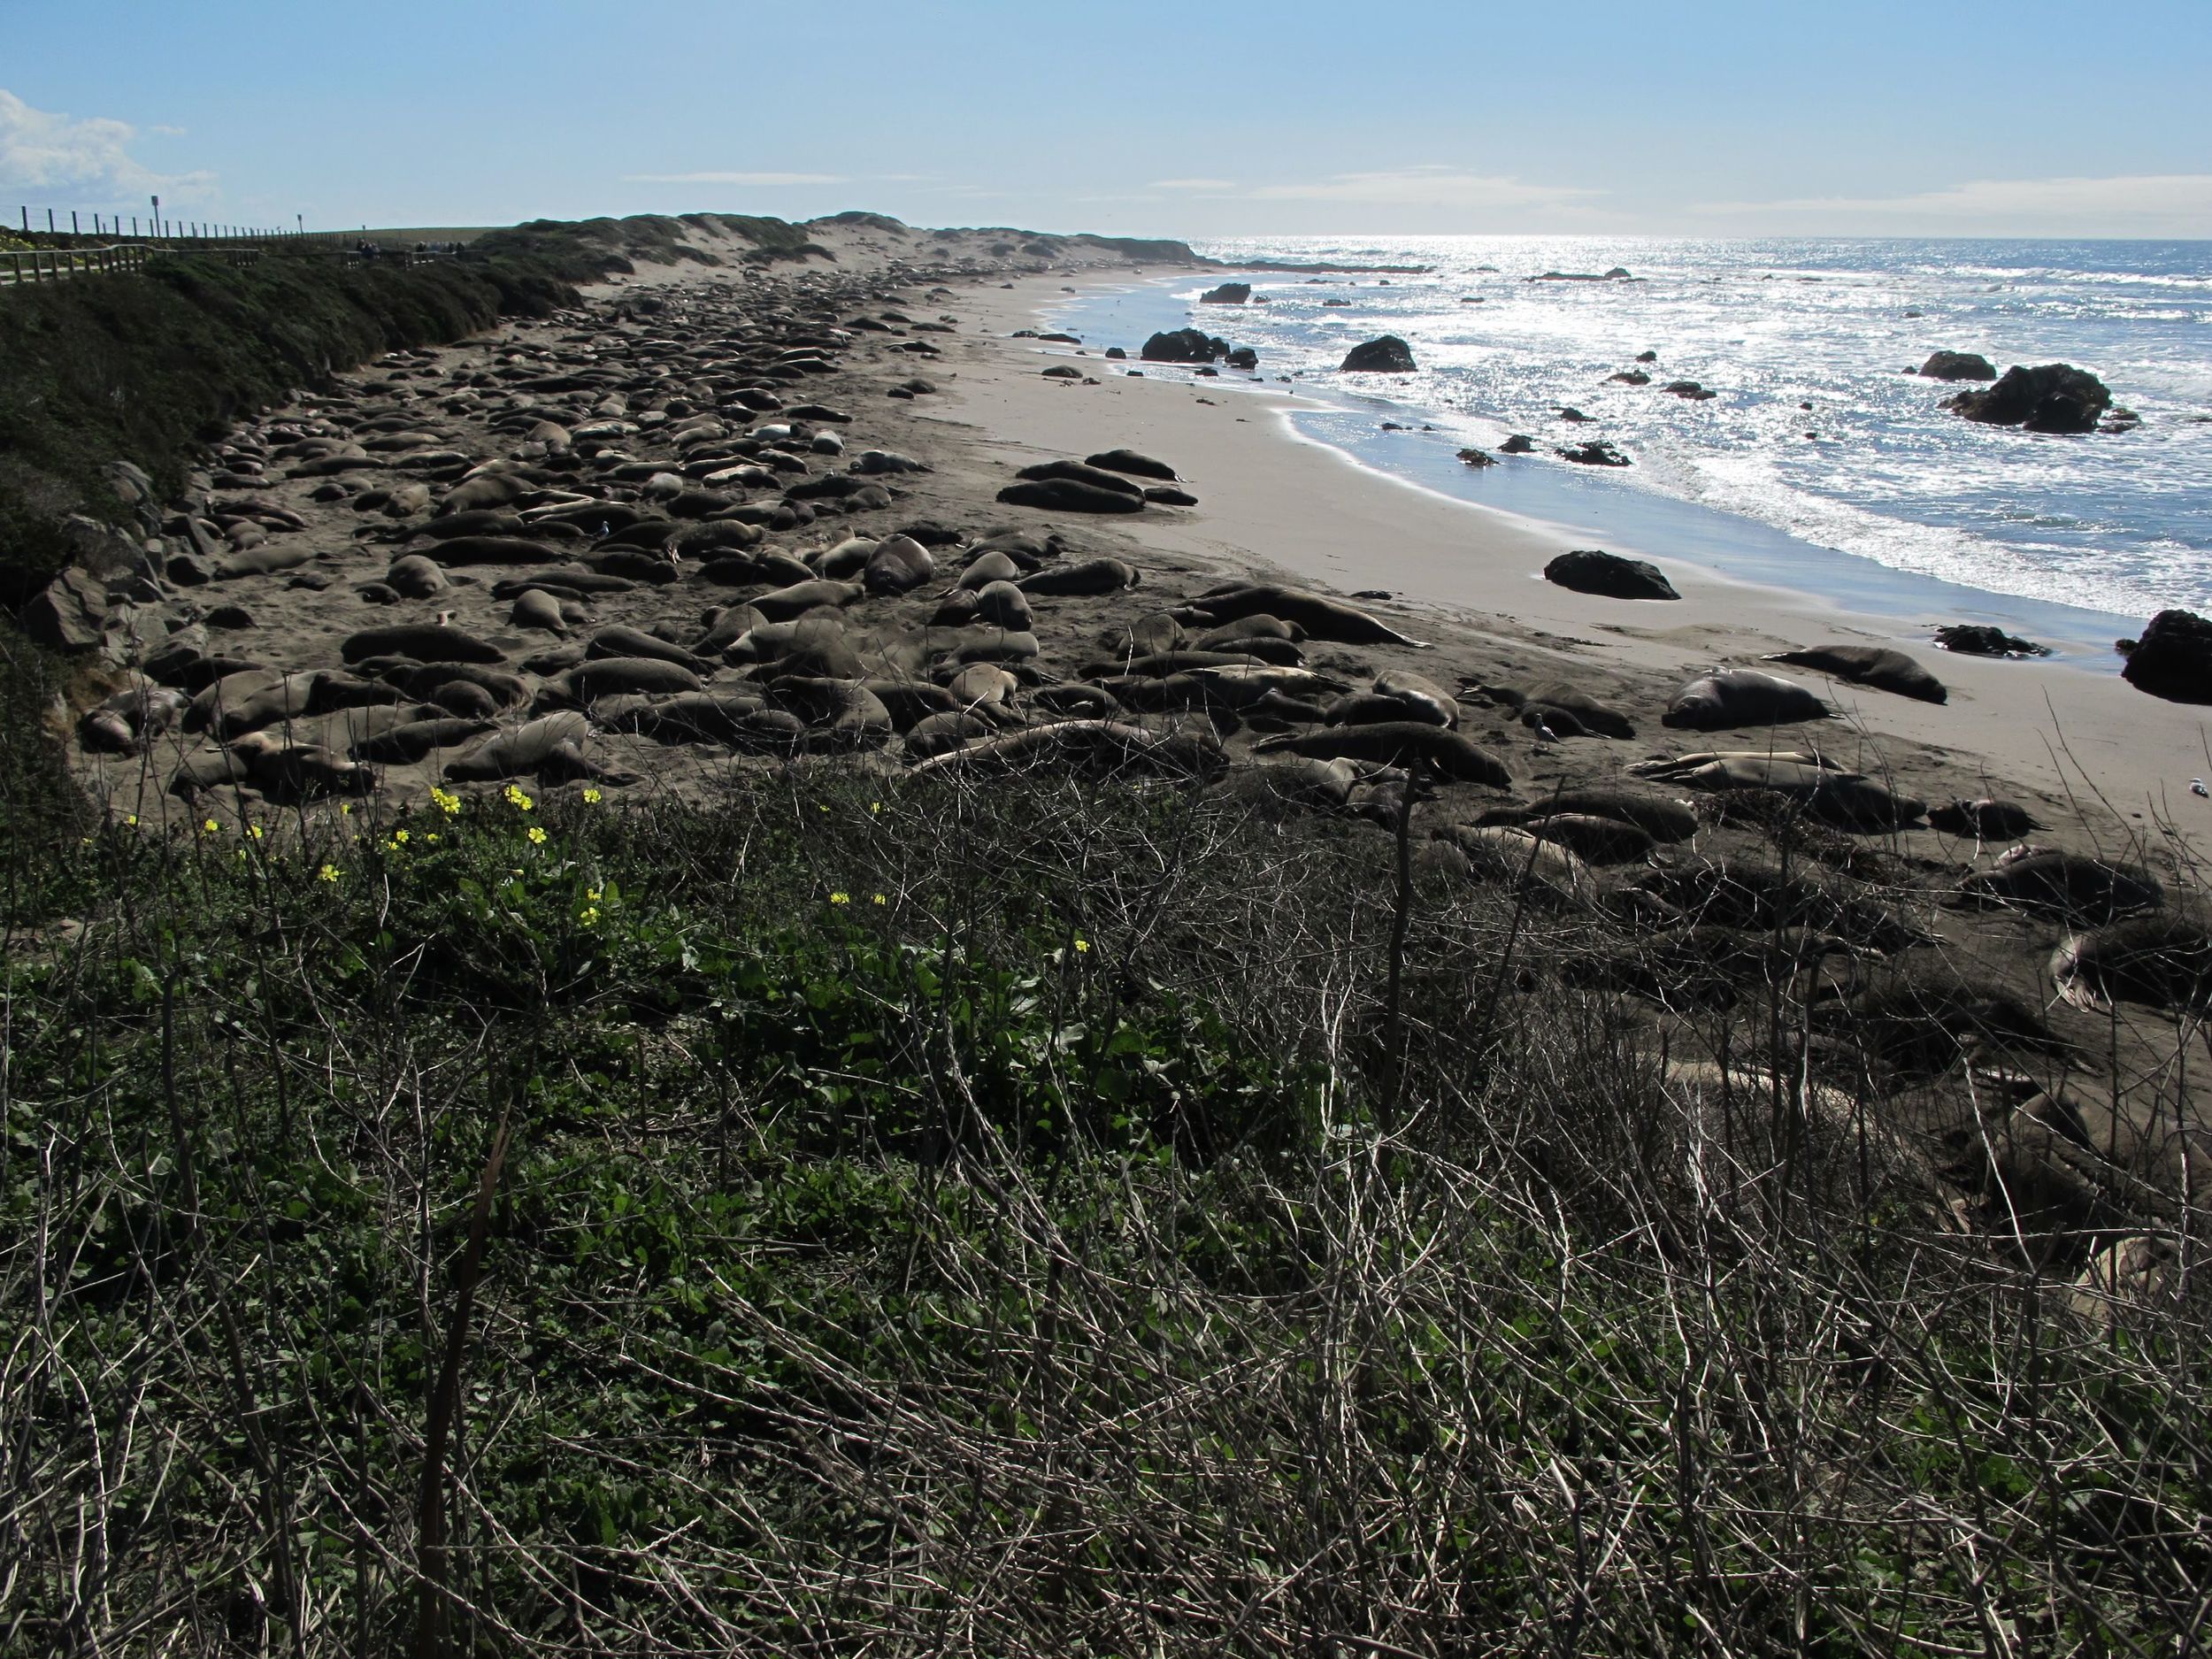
[1958, 365]
[1597, 452]
[1978, 639]
[1617, 275]
[1388, 355]
[2055, 397]
[71, 614]
[1587, 570]
[1227, 293]
[2173, 659]
[1242, 357]
[1184, 345]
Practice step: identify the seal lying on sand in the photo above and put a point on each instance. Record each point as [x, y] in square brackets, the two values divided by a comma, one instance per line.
[2159, 961]
[1984, 819]
[1741, 696]
[1103, 746]
[1399, 743]
[1322, 619]
[2069, 885]
[1567, 709]
[1873, 665]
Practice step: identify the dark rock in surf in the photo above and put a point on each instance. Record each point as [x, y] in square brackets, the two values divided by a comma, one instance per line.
[2173, 659]
[1976, 639]
[1184, 345]
[2055, 397]
[1958, 365]
[1587, 570]
[1388, 355]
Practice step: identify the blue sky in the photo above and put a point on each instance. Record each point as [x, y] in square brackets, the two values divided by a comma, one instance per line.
[1720, 117]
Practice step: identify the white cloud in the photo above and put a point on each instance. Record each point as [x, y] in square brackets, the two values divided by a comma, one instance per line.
[1424, 187]
[88, 160]
[735, 178]
[2142, 201]
[1208, 185]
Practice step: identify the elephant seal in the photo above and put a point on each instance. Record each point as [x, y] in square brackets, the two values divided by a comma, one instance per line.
[1084, 702]
[1103, 746]
[1741, 696]
[1399, 743]
[1132, 463]
[726, 625]
[535, 608]
[423, 680]
[1873, 665]
[989, 566]
[705, 716]
[2066, 884]
[525, 750]
[1258, 625]
[1567, 711]
[299, 772]
[1501, 853]
[2159, 961]
[565, 581]
[1984, 819]
[840, 713]
[423, 642]
[416, 577]
[484, 490]
[609, 676]
[263, 560]
[1162, 663]
[898, 566]
[1322, 619]
[403, 745]
[1660, 816]
[941, 733]
[1088, 578]
[785, 603]
[1067, 494]
[617, 641]
[1844, 799]
[496, 550]
[1593, 839]
[1398, 695]
[910, 702]
[769, 565]
[1078, 472]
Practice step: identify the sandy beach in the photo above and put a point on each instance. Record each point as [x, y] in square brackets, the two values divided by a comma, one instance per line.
[1271, 500]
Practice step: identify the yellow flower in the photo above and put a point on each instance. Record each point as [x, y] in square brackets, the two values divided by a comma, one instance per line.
[516, 799]
[593, 797]
[132, 820]
[840, 898]
[1082, 945]
[878, 899]
[591, 895]
[399, 836]
[588, 916]
[209, 828]
[254, 831]
[329, 872]
[875, 806]
[445, 801]
[537, 836]
[432, 836]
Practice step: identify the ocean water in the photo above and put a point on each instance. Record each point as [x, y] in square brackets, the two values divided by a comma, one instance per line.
[1873, 496]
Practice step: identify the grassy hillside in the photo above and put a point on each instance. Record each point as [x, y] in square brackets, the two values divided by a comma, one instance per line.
[867, 1214]
[147, 368]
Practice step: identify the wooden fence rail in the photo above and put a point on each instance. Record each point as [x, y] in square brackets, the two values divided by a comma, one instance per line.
[52, 264]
